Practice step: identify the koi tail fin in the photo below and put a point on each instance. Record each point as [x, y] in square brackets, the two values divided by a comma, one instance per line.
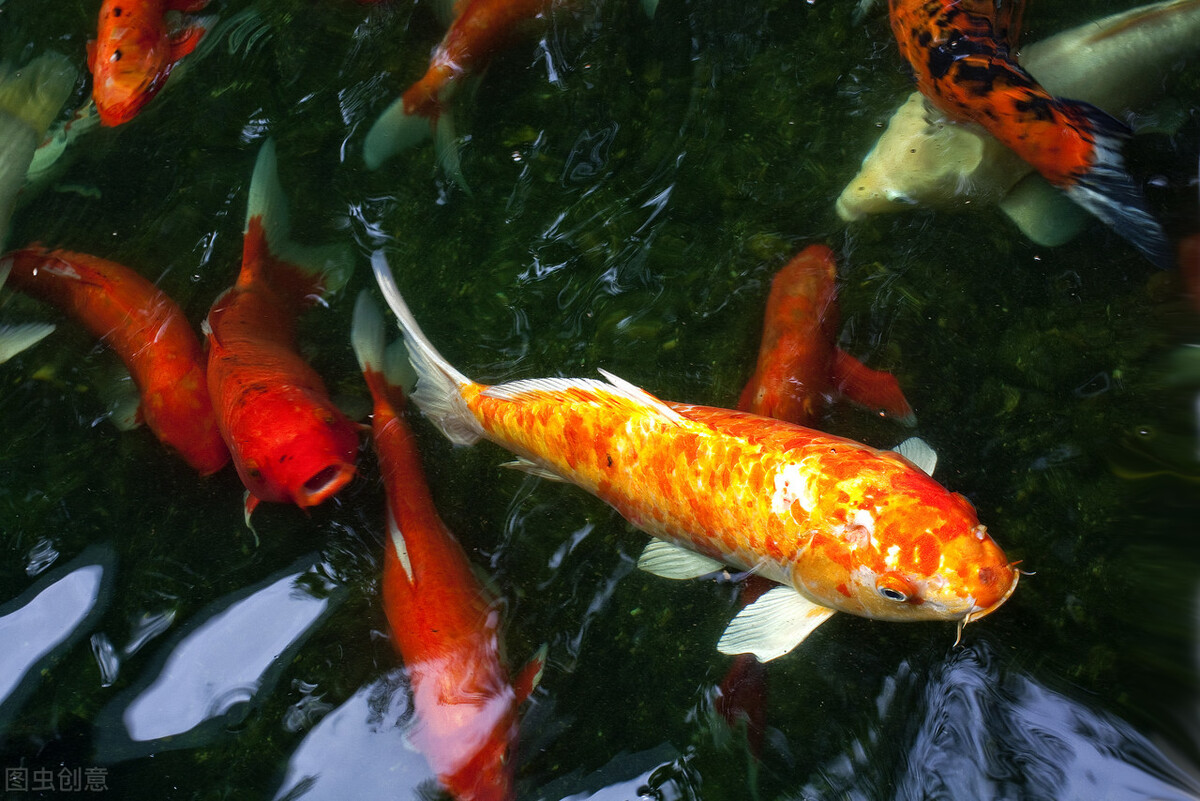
[35, 93]
[439, 386]
[397, 130]
[16, 338]
[29, 99]
[1109, 192]
[387, 371]
[305, 274]
[874, 390]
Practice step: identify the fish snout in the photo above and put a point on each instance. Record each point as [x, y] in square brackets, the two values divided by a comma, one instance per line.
[323, 484]
[994, 585]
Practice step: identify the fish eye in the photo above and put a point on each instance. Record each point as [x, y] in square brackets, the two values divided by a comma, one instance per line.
[116, 56]
[895, 588]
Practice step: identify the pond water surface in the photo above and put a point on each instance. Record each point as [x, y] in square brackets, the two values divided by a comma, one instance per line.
[635, 183]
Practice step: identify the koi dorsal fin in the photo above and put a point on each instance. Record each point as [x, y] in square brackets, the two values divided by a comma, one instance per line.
[583, 389]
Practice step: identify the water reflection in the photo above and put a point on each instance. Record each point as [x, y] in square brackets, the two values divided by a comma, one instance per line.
[228, 656]
[990, 732]
[360, 750]
[43, 622]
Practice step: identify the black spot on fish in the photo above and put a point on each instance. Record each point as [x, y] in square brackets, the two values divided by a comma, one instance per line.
[609, 456]
[117, 11]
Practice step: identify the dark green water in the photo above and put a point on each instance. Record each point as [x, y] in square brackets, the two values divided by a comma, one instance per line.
[635, 185]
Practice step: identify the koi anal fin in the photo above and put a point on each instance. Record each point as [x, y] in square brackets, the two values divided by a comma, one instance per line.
[1107, 190]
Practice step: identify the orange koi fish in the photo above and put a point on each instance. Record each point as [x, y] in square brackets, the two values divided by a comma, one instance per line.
[961, 53]
[148, 331]
[444, 624]
[839, 525]
[136, 47]
[479, 30]
[289, 442]
[799, 365]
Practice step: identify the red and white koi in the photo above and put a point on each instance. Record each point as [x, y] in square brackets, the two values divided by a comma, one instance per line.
[445, 626]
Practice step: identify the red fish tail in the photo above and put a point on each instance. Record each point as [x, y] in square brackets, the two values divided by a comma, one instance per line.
[872, 389]
[1107, 190]
[304, 275]
[386, 369]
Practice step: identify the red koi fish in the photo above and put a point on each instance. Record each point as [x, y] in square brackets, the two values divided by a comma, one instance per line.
[799, 368]
[136, 47]
[799, 365]
[839, 525]
[444, 624]
[148, 331]
[479, 30]
[289, 442]
[961, 53]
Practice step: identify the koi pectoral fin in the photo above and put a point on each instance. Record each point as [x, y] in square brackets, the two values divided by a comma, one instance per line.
[672, 561]
[773, 625]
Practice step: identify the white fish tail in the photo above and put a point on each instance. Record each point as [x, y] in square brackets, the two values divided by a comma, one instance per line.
[439, 386]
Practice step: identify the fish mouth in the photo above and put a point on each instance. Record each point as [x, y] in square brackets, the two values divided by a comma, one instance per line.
[982, 612]
[324, 484]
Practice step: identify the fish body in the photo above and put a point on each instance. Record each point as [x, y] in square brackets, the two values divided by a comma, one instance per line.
[289, 442]
[444, 624]
[961, 53]
[149, 332]
[840, 525]
[480, 29]
[799, 367]
[924, 158]
[137, 44]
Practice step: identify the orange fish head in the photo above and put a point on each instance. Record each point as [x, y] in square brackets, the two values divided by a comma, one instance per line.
[127, 71]
[309, 464]
[926, 559]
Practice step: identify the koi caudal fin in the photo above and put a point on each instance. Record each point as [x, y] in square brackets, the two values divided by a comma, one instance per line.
[1107, 190]
[439, 389]
[386, 369]
[399, 129]
[16, 338]
[302, 273]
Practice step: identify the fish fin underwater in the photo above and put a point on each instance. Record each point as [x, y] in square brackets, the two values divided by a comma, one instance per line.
[773, 625]
[15, 338]
[398, 129]
[305, 274]
[35, 92]
[1108, 191]
[671, 561]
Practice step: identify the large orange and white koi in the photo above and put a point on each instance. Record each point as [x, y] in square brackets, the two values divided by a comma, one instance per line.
[961, 53]
[839, 525]
[445, 625]
[289, 442]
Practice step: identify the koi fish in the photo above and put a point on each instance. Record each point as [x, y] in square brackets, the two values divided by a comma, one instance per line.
[799, 365]
[30, 97]
[148, 331]
[137, 44]
[924, 158]
[840, 526]
[479, 30]
[798, 368]
[289, 442]
[445, 627]
[960, 52]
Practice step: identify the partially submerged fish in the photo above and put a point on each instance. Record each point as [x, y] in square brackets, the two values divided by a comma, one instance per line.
[480, 29]
[800, 367]
[839, 525]
[289, 442]
[30, 98]
[137, 44]
[150, 333]
[445, 625]
[926, 157]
